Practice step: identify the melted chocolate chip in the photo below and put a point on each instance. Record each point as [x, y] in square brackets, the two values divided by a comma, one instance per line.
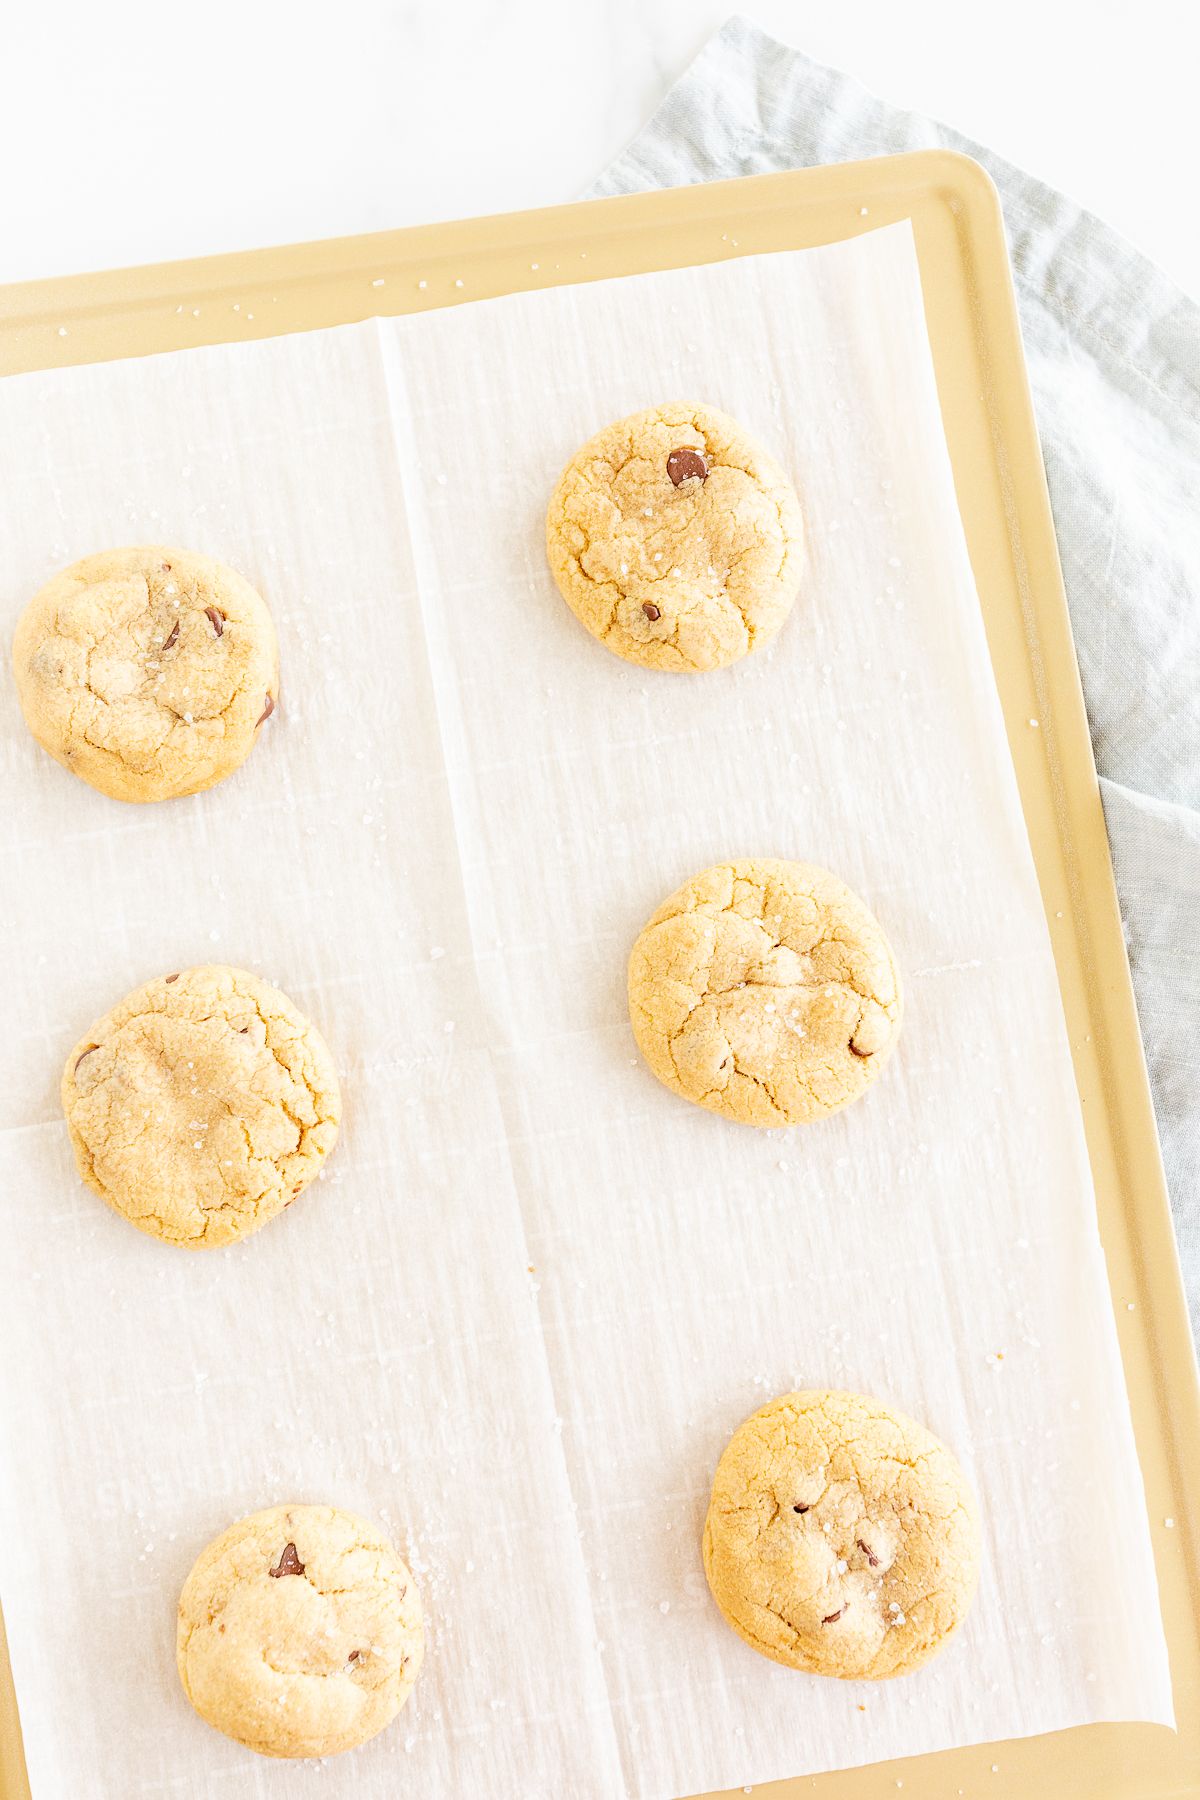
[686, 465]
[165, 567]
[171, 639]
[829, 1619]
[651, 611]
[171, 978]
[268, 709]
[800, 1507]
[289, 1563]
[869, 1554]
[216, 618]
[90, 1051]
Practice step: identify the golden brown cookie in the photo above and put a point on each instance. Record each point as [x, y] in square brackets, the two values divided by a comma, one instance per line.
[765, 991]
[201, 1105]
[676, 539]
[147, 671]
[841, 1537]
[300, 1632]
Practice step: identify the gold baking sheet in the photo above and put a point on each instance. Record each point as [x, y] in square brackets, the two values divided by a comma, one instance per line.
[1001, 491]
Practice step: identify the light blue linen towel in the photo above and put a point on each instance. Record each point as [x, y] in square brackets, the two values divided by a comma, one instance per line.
[1114, 359]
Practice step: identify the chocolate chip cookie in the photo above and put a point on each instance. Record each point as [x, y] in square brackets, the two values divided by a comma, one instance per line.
[676, 539]
[841, 1537]
[299, 1632]
[201, 1105]
[765, 991]
[147, 671]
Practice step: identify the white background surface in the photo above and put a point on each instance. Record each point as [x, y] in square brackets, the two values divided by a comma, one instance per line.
[519, 1319]
[136, 130]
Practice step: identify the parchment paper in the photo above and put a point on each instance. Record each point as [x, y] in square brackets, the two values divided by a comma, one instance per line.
[535, 1292]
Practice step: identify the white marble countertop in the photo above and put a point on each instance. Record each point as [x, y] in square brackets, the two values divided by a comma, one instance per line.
[135, 130]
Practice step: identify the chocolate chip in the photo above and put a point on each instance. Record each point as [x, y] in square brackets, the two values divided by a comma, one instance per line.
[216, 618]
[354, 1656]
[651, 611]
[171, 639]
[289, 1563]
[800, 1508]
[165, 567]
[268, 709]
[90, 1051]
[686, 465]
[829, 1619]
[869, 1554]
[171, 978]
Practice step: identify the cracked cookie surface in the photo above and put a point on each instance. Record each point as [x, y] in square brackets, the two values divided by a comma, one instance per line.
[765, 991]
[201, 1105]
[147, 671]
[676, 539]
[299, 1631]
[842, 1537]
